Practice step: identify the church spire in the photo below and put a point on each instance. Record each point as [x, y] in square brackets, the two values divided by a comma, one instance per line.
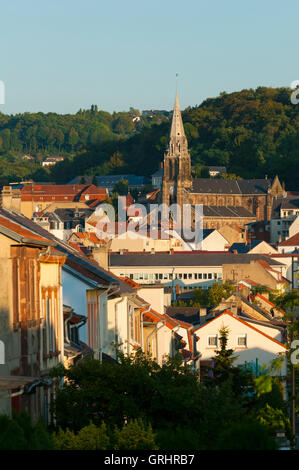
[177, 133]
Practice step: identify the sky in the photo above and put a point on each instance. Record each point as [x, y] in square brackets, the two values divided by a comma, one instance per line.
[63, 55]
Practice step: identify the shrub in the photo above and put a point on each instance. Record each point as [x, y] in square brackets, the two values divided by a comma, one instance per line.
[19, 433]
[134, 436]
[245, 435]
[90, 437]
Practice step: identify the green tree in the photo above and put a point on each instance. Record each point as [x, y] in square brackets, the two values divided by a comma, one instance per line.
[134, 436]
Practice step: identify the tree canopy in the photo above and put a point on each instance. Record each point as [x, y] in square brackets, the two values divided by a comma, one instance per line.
[252, 133]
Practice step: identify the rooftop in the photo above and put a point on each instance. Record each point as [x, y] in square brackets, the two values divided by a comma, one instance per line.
[187, 258]
[221, 186]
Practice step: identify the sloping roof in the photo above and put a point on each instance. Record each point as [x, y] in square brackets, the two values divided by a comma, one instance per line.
[244, 247]
[90, 236]
[292, 241]
[227, 211]
[74, 259]
[229, 313]
[221, 186]
[110, 180]
[61, 192]
[188, 314]
[271, 304]
[187, 258]
[20, 233]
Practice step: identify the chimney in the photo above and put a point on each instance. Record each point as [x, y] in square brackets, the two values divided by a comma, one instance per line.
[234, 309]
[101, 255]
[6, 197]
[202, 312]
[11, 198]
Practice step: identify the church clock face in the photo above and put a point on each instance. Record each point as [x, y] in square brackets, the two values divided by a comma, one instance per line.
[171, 189]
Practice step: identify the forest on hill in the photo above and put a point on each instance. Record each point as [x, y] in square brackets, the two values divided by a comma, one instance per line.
[252, 132]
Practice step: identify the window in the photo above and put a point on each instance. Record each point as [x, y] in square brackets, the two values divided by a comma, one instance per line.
[212, 341]
[205, 275]
[190, 276]
[195, 275]
[210, 276]
[242, 341]
[199, 275]
[185, 276]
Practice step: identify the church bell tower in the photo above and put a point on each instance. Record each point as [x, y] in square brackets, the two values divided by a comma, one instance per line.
[177, 162]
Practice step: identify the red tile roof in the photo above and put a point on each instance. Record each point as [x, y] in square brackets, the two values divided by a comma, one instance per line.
[292, 241]
[21, 231]
[64, 192]
[91, 236]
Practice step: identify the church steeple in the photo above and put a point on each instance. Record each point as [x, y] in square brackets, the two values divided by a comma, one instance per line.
[177, 163]
[178, 142]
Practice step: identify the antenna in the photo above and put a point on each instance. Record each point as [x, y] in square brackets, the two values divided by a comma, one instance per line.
[176, 82]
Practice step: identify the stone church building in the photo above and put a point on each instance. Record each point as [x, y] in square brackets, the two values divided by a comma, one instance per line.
[236, 202]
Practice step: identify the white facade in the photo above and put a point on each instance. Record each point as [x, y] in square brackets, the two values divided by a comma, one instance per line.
[250, 342]
[74, 288]
[185, 276]
[294, 227]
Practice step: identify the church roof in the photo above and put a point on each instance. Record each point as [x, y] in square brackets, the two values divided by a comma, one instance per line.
[227, 211]
[220, 186]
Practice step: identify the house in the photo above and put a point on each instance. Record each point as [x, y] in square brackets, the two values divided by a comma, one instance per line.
[216, 171]
[28, 157]
[63, 222]
[145, 241]
[157, 178]
[261, 270]
[284, 213]
[294, 227]
[263, 302]
[192, 269]
[256, 246]
[31, 316]
[290, 260]
[85, 238]
[58, 305]
[260, 230]
[164, 337]
[208, 240]
[291, 245]
[232, 233]
[109, 181]
[191, 315]
[253, 344]
[52, 160]
[256, 307]
[32, 198]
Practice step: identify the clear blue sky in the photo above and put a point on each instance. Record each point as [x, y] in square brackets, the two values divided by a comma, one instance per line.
[62, 55]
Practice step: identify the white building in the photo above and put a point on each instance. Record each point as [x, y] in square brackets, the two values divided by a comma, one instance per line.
[252, 342]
